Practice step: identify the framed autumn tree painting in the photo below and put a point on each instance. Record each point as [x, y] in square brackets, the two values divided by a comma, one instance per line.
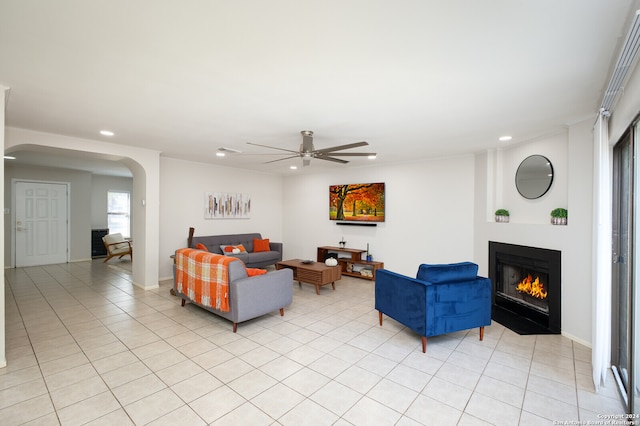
[357, 202]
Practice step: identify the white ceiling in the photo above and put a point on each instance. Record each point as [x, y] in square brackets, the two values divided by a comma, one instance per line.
[415, 79]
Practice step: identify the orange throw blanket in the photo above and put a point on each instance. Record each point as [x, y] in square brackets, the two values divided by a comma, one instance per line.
[204, 277]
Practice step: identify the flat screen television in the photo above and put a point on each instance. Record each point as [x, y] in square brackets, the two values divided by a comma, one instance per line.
[357, 202]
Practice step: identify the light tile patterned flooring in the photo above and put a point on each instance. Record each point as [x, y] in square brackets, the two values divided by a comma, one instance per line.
[85, 346]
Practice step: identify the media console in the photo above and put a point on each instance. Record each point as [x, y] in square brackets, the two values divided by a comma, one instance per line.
[352, 264]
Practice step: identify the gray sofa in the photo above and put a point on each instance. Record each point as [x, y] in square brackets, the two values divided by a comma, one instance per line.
[251, 258]
[250, 297]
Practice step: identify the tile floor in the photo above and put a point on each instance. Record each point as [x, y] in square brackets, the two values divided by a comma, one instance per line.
[85, 346]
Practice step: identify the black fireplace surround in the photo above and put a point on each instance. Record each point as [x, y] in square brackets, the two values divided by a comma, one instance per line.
[509, 265]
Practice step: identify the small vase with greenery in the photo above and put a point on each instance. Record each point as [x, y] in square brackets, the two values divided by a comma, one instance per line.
[559, 216]
[502, 215]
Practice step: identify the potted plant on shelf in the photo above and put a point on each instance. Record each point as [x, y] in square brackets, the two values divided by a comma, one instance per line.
[502, 215]
[559, 216]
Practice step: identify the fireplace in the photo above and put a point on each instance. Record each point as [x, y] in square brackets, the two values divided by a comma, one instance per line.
[526, 288]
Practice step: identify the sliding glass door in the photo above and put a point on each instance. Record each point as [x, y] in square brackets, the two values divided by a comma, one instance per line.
[634, 271]
[622, 287]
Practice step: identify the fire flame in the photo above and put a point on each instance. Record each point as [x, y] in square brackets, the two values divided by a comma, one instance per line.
[532, 287]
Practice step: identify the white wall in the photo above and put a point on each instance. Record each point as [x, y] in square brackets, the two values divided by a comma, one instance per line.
[523, 210]
[428, 212]
[183, 186]
[572, 158]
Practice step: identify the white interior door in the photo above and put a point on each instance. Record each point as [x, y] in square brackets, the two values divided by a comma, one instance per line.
[41, 221]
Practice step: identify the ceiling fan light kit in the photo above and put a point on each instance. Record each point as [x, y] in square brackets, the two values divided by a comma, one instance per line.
[307, 151]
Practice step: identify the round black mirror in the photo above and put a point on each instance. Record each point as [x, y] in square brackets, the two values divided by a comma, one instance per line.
[534, 176]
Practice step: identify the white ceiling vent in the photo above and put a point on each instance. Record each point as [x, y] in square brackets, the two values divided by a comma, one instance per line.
[626, 61]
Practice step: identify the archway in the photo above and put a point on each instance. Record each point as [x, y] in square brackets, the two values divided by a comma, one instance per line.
[145, 169]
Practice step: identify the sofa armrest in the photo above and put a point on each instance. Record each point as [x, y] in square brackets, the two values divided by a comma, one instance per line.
[402, 298]
[453, 306]
[275, 247]
[254, 296]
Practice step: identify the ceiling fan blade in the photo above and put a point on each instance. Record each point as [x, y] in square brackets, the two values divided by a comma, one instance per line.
[244, 154]
[307, 152]
[349, 154]
[335, 160]
[281, 159]
[272, 147]
[341, 147]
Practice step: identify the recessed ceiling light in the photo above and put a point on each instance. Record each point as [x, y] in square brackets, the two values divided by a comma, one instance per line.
[106, 133]
[220, 154]
[9, 157]
[505, 138]
[293, 167]
[372, 157]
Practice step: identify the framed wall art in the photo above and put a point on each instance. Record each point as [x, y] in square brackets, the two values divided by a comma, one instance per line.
[357, 202]
[227, 205]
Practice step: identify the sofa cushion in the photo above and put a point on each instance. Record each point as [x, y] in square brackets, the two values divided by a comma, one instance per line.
[451, 272]
[252, 272]
[261, 256]
[233, 250]
[261, 245]
[202, 247]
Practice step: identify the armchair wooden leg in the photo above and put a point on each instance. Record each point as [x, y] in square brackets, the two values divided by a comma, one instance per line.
[281, 312]
[183, 302]
[235, 327]
[424, 344]
[481, 332]
[380, 316]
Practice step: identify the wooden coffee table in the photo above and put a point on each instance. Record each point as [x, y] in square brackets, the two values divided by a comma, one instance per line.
[315, 273]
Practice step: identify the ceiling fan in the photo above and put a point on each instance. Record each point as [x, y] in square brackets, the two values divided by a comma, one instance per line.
[307, 151]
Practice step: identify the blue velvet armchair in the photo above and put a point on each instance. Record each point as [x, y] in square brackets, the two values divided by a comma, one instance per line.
[441, 299]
